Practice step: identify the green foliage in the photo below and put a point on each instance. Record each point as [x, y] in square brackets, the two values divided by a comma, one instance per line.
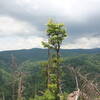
[53, 88]
[35, 77]
[47, 96]
[56, 33]
[53, 78]
[37, 98]
[37, 54]
[5, 85]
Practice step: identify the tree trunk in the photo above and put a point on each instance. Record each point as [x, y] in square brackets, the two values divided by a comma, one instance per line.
[58, 72]
[13, 95]
[3, 96]
[20, 88]
[48, 68]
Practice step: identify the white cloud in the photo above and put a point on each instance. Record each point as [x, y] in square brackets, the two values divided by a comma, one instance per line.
[75, 10]
[16, 34]
[84, 43]
[12, 27]
[17, 43]
[21, 21]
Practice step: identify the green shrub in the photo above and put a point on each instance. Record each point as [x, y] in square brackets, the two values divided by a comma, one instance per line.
[47, 96]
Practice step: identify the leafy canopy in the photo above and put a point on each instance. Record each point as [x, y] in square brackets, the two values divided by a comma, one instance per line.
[56, 34]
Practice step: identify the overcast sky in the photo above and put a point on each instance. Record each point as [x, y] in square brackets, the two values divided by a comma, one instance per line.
[23, 22]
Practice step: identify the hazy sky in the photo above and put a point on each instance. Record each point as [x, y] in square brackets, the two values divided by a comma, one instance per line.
[23, 22]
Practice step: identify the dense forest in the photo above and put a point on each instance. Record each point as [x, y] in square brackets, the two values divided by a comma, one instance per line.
[51, 73]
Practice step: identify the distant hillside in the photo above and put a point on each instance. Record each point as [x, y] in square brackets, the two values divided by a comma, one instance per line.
[31, 62]
[37, 54]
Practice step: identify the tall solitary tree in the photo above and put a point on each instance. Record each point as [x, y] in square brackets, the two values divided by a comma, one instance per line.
[56, 34]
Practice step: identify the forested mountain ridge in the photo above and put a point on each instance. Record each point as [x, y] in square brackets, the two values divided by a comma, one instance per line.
[33, 62]
[37, 54]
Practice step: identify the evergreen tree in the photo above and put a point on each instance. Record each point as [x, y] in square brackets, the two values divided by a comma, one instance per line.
[56, 34]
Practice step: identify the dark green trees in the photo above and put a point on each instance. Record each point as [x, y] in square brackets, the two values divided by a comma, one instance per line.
[56, 34]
